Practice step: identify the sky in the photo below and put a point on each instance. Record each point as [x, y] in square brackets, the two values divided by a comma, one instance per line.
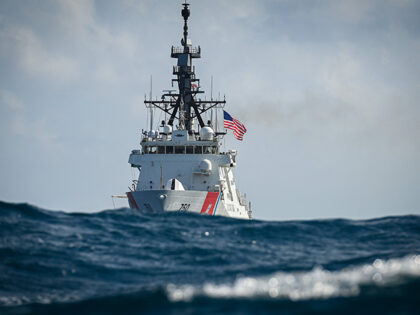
[328, 90]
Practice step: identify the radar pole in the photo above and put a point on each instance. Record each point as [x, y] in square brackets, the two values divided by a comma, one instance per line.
[184, 105]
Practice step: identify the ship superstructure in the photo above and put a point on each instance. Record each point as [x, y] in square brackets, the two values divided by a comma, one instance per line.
[181, 165]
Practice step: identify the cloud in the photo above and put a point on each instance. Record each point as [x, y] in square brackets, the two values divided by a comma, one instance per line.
[32, 57]
[34, 130]
[138, 6]
[10, 100]
[71, 43]
[78, 19]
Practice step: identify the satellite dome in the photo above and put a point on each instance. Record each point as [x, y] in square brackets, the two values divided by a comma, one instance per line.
[205, 166]
[206, 133]
[153, 133]
[167, 129]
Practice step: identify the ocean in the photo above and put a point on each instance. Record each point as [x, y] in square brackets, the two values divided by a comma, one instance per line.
[125, 262]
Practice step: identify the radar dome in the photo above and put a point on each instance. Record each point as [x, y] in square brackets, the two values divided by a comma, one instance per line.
[167, 129]
[206, 133]
[153, 133]
[205, 166]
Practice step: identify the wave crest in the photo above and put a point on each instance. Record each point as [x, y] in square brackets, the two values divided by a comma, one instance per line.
[315, 284]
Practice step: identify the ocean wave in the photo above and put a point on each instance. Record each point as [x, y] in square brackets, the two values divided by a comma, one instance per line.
[65, 263]
[315, 284]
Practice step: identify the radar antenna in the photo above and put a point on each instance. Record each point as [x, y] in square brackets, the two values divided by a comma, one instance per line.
[184, 105]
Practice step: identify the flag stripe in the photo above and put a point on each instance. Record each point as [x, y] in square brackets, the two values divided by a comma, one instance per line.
[235, 125]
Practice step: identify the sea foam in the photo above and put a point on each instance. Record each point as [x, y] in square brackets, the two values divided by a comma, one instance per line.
[315, 284]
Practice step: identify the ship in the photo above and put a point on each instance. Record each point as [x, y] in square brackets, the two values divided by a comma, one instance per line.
[181, 165]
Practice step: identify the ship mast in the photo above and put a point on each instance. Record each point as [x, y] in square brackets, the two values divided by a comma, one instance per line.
[184, 105]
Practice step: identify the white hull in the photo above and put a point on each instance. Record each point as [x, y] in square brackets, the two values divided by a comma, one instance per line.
[200, 202]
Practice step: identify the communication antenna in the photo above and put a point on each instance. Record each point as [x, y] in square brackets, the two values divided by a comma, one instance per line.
[211, 90]
[216, 120]
[150, 99]
[151, 88]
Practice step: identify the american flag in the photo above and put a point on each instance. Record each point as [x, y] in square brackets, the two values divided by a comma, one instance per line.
[237, 127]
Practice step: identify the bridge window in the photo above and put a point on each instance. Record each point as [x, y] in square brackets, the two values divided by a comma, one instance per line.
[209, 150]
[150, 150]
[161, 149]
[198, 150]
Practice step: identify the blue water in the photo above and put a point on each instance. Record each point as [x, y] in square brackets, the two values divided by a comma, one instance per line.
[123, 261]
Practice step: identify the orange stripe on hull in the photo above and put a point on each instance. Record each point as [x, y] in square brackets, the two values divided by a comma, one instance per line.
[132, 201]
[210, 203]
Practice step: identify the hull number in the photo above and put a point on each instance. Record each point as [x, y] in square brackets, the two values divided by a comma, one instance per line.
[184, 207]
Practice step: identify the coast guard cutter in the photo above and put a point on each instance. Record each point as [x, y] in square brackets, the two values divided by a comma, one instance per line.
[181, 165]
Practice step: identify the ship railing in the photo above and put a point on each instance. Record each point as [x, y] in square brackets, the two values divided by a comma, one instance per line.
[194, 51]
[160, 137]
[241, 198]
[179, 69]
[134, 184]
[118, 197]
